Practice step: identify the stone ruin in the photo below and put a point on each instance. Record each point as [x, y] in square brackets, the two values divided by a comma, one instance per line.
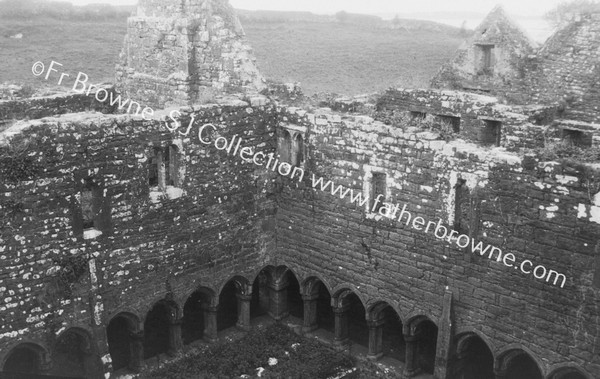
[126, 239]
[185, 52]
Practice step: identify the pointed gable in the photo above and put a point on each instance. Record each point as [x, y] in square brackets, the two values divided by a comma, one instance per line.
[491, 60]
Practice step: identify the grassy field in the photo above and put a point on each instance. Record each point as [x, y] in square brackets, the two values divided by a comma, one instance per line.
[89, 47]
[344, 58]
[323, 57]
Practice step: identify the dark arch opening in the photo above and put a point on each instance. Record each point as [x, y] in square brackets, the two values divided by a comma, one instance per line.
[474, 360]
[294, 297]
[71, 356]
[156, 330]
[119, 342]
[285, 146]
[358, 331]
[259, 305]
[227, 314]
[393, 342]
[523, 367]
[192, 326]
[23, 360]
[325, 315]
[572, 375]
[426, 346]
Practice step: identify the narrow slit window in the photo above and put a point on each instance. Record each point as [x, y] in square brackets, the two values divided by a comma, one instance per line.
[92, 213]
[285, 146]
[88, 209]
[153, 165]
[378, 190]
[298, 150]
[486, 59]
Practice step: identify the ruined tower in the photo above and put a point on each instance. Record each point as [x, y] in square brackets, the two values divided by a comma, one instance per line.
[181, 52]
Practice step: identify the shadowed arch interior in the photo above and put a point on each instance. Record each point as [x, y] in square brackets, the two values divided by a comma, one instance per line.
[393, 343]
[119, 338]
[24, 359]
[227, 315]
[519, 365]
[426, 332]
[157, 328]
[358, 331]
[73, 355]
[473, 359]
[193, 322]
[294, 297]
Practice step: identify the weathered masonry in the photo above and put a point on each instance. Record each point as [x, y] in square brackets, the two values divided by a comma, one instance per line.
[124, 239]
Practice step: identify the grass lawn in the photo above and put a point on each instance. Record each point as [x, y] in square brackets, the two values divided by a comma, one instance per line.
[275, 349]
[324, 57]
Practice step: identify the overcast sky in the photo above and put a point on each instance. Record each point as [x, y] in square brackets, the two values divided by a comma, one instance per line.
[517, 7]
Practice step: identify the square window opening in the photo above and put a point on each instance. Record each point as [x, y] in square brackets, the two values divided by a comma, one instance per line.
[491, 133]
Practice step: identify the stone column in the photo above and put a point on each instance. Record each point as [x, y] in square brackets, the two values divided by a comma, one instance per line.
[278, 305]
[375, 339]
[410, 368]
[340, 340]
[45, 365]
[175, 342]
[243, 311]
[136, 346]
[310, 313]
[210, 323]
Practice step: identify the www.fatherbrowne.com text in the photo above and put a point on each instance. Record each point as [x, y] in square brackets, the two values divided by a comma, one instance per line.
[392, 211]
[270, 161]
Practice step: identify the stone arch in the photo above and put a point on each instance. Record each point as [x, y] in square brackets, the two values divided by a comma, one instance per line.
[241, 283]
[318, 311]
[311, 284]
[386, 335]
[199, 316]
[420, 332]
[206, 291]
[568, 371]
[340, 292]
[124, 336]
[234, 303]
[26, 358]
[129, 314]
[466, 332]
[298, 149]
[518, 362]
[350, 317]
[473, 357]
[76, 354]
[162, 329]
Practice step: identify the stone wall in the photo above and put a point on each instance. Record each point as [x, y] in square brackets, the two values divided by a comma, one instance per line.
[477, 118]
[519, 204]
[177, 54]
[155, 242]
[568, 69]
[38, 107]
